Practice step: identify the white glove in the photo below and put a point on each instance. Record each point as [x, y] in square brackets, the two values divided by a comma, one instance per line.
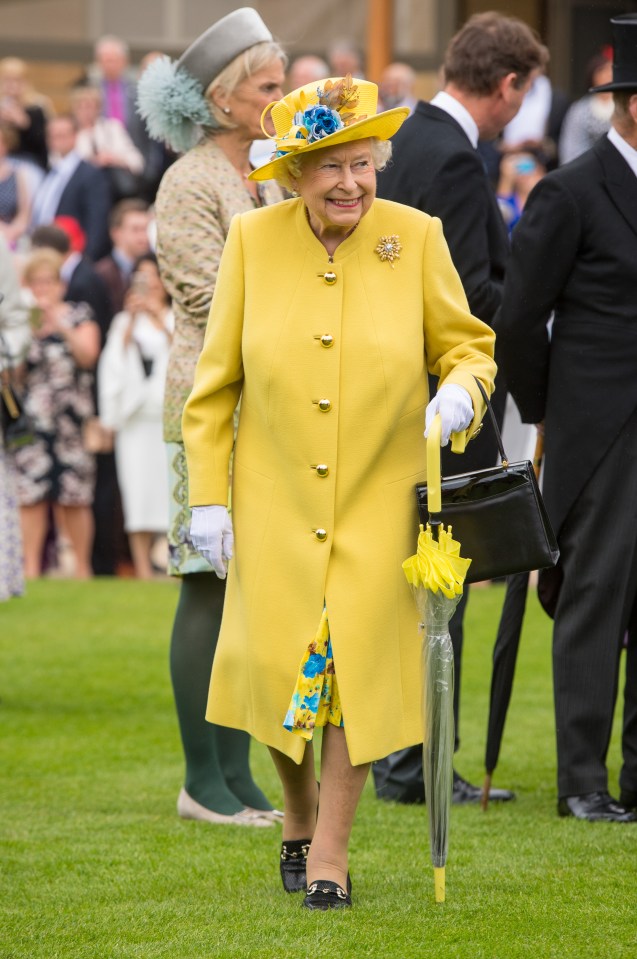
[212, 536]
[456, 410]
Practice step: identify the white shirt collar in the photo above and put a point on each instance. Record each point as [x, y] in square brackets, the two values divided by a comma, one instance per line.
[459, 113]
[124, 262]
[69, 265]
[629, 153]
[65, 166]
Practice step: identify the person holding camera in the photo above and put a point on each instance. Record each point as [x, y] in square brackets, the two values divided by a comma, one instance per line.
[131, 384]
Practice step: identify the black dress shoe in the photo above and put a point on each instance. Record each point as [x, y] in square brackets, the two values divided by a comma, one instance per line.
[628, 799]
[465, 792]
[595, 807]
[293, 864]
[324, 894]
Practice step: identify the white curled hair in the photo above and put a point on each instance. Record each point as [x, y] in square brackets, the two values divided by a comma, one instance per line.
[381, 151]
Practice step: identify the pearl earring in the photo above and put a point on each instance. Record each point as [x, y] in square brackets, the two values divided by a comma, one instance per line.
[226, 110]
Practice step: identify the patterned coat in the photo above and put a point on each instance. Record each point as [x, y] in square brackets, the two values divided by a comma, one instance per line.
[198, 196]
[331, 359]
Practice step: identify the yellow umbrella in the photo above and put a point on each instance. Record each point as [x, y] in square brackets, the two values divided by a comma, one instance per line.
[436, 574]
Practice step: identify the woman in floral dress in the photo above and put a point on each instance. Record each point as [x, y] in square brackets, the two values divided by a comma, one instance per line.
[56, 469]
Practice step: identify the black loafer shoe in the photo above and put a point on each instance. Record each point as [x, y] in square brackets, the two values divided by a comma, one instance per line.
[595, 807]
[293, 864]
[465, 792]
[628, 799]
[324, 894]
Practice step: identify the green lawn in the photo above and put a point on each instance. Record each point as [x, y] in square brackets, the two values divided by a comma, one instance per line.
[96, 864]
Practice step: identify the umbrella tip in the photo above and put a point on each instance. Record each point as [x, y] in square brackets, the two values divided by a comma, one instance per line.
[439, 883]
[486, 789]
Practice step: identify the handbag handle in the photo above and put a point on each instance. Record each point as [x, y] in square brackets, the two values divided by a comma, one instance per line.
[434, 472]
[496, 428]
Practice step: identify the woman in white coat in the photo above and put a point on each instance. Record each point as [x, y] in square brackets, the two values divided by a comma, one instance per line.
[131, 383]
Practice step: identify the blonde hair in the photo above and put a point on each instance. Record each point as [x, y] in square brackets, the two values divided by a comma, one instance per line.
[292, 166]
[85, 91]
[44, 258]
[13, 68]
[243, 66]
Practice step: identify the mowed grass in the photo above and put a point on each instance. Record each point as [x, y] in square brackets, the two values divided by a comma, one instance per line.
[96, 864]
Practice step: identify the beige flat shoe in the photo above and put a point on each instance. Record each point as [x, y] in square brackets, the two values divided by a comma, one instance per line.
[189, 808]
[272, 815]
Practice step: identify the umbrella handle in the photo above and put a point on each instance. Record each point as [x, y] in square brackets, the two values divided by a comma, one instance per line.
[439, 883]
[434, 495]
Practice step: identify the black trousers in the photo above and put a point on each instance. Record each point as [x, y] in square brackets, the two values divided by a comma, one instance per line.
[399, 776]
[595, 611]
[481, 453]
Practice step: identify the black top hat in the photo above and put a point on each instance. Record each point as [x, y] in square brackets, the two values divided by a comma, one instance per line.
[624, 54]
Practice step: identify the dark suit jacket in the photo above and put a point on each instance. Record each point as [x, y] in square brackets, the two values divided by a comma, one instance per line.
[85, 286]
[435, 169]
[575, 252]
[87, 197]
[115, 281]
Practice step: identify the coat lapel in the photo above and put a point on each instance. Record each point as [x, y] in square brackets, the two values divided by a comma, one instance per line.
[619, 180]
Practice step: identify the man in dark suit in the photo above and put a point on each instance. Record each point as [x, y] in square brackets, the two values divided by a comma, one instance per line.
[489, 65]
[72, 187]
[575, 254]
[128, 222]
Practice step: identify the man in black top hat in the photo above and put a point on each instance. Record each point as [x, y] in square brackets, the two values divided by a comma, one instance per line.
[575, 253]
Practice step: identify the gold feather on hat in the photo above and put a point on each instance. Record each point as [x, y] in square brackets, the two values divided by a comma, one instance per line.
[342, 97]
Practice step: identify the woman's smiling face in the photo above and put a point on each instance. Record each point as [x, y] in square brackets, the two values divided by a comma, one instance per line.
[338, 186]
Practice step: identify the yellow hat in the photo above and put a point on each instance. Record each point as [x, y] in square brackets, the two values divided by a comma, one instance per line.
[323, 114]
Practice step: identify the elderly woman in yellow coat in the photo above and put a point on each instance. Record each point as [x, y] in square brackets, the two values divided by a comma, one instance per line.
[329, 311]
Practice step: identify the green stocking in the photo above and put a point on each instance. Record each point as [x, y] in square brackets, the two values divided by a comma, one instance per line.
[193, 644]
[233, 748]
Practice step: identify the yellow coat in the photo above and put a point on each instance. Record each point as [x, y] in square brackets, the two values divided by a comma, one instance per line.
[285, 339]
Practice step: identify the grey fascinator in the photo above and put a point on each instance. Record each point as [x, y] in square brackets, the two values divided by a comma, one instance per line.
[171, 94]
[172, 104]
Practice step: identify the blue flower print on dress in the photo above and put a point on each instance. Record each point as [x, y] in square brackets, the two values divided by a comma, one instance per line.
[314, 665]
[311, 702]
[315, 700]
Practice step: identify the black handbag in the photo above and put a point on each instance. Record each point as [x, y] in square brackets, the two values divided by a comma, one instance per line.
[16, 426]
[123, 183]
[497, 515]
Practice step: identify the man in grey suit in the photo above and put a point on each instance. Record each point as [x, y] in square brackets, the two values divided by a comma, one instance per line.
[489, 65]
[575, 254]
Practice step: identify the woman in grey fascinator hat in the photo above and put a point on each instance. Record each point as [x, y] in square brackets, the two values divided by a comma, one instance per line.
[208, 104]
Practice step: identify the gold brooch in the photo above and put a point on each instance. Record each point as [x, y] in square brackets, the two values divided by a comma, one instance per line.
[389, 248]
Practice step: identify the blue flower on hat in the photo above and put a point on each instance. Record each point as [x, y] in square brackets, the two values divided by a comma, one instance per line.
[320, 122]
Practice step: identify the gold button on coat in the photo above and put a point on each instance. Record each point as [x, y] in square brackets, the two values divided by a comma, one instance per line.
[322, 469]
[330, 278]
[321, 534]
[326, 340]
[324, 405]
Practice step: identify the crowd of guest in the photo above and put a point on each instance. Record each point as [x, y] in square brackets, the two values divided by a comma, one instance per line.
[77, 184]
